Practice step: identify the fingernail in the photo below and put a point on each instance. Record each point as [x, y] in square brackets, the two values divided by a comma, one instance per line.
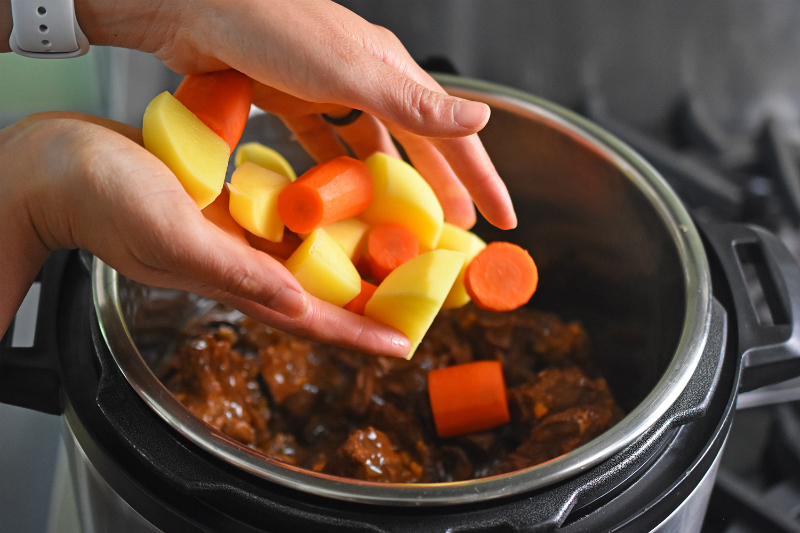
[289, 302]
[470, 115]
[402, 347]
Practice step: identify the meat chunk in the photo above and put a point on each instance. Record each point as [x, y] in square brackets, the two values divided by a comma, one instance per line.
[220, 386]
[368, 455]
[558, 434]
[556, 389]
[359, 416]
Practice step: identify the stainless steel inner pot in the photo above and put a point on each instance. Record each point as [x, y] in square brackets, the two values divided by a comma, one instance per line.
[615, 249]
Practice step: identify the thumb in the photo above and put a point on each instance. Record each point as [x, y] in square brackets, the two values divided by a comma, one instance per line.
[411, 99]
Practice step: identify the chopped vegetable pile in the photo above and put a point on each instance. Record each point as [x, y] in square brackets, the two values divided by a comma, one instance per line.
[342, 227]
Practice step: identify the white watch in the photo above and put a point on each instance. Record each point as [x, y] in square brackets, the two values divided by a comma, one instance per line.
[46, 29]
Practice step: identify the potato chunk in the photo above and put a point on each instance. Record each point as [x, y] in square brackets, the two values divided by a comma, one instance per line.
[412, 294]
[459, 240]
[264, 156]
[254, 200]
[401, 195]
[324, 270]
[191, 150]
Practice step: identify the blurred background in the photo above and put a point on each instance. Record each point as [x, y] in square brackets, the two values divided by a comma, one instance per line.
[707, 90]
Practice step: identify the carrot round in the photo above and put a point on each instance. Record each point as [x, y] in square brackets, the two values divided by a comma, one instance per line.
[389, 245]
[467, 398]
[502, 277]
[220, 99]
[331, 191]
[357, 304]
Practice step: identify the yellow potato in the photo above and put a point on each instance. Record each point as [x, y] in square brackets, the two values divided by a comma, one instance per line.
[402, 195]
[191, 150]
[412, 294]
[264, 156]
[254, 200]
[459, 240]
[323, 269]
[350, 234]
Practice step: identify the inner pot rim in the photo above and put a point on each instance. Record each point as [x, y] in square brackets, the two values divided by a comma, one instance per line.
[687, 354]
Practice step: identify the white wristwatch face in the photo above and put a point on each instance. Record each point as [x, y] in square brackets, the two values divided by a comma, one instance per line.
[46, 28]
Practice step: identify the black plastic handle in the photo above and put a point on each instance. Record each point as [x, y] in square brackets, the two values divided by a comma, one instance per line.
[763, 291]
[30, 371]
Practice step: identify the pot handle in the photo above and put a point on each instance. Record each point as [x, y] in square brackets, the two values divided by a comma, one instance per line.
[763, 292]
[30, 374]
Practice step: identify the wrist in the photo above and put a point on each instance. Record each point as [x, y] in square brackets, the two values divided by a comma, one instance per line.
[119, 23]
[122, 23]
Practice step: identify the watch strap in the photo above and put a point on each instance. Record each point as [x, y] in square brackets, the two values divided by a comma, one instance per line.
[46, 29]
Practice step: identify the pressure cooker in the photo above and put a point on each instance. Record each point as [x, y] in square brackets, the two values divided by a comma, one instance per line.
[682, 316]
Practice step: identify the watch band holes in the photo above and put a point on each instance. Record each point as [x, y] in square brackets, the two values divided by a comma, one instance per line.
[43, 28]
[46, 43]
[41, 10]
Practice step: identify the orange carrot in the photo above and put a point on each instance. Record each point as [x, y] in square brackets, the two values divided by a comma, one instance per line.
[357, 304]
[467, 398]
[501, 277]
[281, 250]
[389, 245]
[331, 191]
[218, 213]
[220, 99]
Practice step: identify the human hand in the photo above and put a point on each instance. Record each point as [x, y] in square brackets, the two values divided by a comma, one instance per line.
[315, 56]
[73, 180]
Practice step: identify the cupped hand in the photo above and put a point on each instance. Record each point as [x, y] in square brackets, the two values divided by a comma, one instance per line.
[315, 56]
[77, 181]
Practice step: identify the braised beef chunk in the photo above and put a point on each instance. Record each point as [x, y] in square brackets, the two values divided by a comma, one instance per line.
[555, 389]
[368, 454]
[365, 417]
[220, 386]
[557, 435]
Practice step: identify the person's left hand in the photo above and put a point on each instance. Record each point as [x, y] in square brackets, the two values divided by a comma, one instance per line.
[78, 181]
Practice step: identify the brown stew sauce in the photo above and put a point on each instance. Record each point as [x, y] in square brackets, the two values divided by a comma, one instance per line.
[359, 416]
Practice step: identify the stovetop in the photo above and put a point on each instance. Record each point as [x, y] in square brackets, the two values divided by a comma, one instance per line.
[752, 180]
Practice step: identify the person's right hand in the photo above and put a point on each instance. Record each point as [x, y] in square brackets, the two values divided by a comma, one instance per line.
[76, 181]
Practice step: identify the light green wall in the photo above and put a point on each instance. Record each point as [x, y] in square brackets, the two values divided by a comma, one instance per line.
[30, 85]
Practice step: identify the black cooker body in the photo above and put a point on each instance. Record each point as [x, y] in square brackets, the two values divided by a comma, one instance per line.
[663, 478]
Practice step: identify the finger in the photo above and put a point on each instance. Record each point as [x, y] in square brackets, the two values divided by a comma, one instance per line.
[366, 136]
[431, 164]
[316, 136]
[329, 324]
[398, 90]
[192, 252]
[259, 286]
[402, 101]
[131, 132]
[470, 162]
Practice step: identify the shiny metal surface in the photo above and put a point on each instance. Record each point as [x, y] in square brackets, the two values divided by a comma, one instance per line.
[688, 516]
[100, 509]
[615, 249]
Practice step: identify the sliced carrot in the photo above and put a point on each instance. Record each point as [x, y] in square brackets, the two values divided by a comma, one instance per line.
[467, 398]
[389, 245]
[221, 99]
[218, 213]
[357, 304]
[281, 250]
[502, 277]
[331, 191]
